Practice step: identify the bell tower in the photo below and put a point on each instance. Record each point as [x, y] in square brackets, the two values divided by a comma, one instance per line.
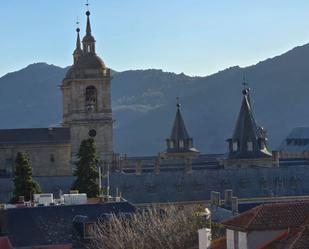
[86, 91]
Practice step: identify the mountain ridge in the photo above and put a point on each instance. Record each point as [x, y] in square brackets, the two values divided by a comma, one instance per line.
[144, 101]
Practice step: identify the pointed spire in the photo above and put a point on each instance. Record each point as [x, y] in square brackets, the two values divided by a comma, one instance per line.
[249, 139]
[88, 40]
[78, 40]
[179, 140]
[88, 26]
[78, 51]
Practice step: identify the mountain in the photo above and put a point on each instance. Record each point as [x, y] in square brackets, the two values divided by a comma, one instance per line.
[144, 102]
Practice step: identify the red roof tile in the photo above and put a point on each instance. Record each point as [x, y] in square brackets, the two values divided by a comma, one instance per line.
[5, 243]
[296, 238]
[271, 216]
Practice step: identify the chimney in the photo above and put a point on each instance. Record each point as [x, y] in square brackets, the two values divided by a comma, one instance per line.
[234, 205]
[157, 165]
[228, 194]
[215, 199]
[138, 167]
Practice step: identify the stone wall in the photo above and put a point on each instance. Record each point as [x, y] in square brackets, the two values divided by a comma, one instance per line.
[46, 159]
[179, 186]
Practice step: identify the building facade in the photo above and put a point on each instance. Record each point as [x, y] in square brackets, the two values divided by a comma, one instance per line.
[87, 113]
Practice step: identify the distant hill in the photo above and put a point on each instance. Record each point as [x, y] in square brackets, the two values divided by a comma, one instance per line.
[144, 101]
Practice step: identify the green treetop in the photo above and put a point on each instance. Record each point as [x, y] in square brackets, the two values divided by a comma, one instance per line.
[24, 185]
[86, 171]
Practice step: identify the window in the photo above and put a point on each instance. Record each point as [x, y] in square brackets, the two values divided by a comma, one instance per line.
[92, 133]
[52, 158]
[181, 143]
[91, 98]
[235, 146]
[88, 49]
[249, 146]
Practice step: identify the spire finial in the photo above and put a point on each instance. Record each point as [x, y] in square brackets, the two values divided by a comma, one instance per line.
[77, 25]
[88, 27]
[178, 102]
[78, 38]
[246, 85]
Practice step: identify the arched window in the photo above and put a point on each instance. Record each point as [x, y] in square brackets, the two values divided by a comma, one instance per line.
[91, 98]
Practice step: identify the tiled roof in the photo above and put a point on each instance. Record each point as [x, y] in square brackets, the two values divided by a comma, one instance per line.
[5, 243]
[271, 216]
[35, 136]
[296, 238]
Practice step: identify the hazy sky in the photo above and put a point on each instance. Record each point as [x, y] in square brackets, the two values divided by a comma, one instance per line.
[197, 37]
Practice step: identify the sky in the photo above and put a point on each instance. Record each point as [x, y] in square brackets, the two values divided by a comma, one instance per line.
[196, 37]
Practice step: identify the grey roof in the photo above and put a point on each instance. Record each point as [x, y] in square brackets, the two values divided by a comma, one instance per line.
[180, 133]
[299, 133]
[59, 135]
[54, 224]
[247, 130]
[296, 141]
[179, 130]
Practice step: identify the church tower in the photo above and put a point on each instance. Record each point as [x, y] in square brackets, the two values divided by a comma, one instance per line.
[248, 145]
[179, 144]
[86, 91]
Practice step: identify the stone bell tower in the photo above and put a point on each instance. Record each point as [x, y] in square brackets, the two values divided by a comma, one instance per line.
[86, 91]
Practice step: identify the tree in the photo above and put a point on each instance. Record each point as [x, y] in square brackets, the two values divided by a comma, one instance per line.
[24, 185]
[86, 169]
[149, 229]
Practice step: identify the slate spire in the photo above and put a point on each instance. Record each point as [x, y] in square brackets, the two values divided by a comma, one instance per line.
[179, 140]
[249, 140]
[78, 51]
[88, 40]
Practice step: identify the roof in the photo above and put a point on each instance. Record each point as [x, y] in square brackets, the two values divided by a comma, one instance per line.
[35, 136]
[180, 133]
[54, 225]
[295, 238]
[247, 130]
[5, 243]
[273, 216]
[179, 130]
[296, 141]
